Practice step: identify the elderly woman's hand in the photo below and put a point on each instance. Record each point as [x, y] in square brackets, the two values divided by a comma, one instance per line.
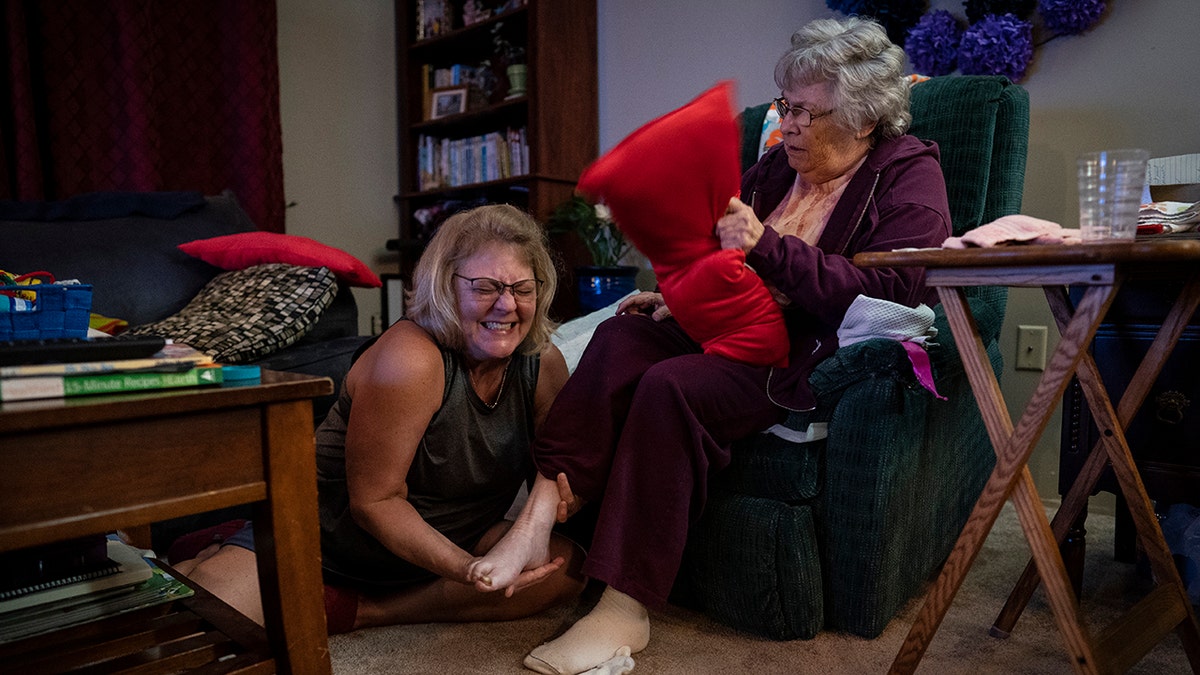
[739, 228]
[568, 503]
[648, 303]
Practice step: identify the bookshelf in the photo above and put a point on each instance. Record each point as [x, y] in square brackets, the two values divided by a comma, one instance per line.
[451, 159]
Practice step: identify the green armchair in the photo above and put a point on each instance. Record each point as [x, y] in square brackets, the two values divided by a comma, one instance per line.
[839, 533]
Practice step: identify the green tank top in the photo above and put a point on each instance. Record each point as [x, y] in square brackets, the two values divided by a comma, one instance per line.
[466, 473]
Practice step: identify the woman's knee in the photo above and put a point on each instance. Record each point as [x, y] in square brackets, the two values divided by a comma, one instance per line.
[231, 567]
[613, 335]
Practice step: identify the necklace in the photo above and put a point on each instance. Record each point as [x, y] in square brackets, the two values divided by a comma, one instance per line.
[499, 390]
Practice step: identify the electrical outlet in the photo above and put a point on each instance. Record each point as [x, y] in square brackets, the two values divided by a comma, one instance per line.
[1031, 347]
[376, 324]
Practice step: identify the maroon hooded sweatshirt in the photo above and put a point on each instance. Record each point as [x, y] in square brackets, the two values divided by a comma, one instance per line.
[896, 199]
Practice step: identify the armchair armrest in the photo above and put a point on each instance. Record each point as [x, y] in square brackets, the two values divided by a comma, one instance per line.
[878, 357]
[857, 362]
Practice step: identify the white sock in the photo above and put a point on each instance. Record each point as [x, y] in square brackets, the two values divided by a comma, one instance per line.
[616, 621]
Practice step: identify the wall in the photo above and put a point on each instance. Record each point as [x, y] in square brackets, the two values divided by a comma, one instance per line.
[337, 71]
[1130, 81]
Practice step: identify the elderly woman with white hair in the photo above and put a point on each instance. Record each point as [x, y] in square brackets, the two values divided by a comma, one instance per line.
[648, 419]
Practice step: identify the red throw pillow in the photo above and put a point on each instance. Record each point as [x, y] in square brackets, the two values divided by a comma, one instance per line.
[667, 184]
[246, 249]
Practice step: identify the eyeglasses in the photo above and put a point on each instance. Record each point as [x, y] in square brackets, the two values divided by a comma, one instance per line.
[488, 289]
[804, 116]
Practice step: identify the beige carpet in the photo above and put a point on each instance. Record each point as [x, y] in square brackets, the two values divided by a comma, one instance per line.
[686, 642]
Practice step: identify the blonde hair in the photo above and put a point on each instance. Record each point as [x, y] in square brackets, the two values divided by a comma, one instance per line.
[432, 300]
[864, 67]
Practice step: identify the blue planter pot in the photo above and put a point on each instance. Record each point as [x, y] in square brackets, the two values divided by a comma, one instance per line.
[599, 287]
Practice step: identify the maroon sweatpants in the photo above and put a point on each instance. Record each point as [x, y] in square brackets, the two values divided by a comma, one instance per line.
[640, 426]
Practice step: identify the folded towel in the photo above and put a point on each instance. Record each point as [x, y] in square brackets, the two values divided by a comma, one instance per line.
[912, 326]
[871, 318]
[1014, 229]
[1168, 217]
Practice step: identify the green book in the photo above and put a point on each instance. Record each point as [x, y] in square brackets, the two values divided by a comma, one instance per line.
[58, 386]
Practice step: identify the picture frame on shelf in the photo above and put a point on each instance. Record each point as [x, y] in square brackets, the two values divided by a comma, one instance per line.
[447, 101]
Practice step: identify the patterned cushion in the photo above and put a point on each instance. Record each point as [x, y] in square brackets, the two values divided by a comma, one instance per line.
[246, 314]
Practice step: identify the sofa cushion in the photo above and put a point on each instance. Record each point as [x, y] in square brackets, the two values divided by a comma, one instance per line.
[238, 251]
[243, 315]
[131, 261]
[340, 318]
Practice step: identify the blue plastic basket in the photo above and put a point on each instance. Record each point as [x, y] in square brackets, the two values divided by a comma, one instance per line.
[58, 311]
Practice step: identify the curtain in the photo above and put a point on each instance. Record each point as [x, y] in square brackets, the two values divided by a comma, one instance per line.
[142, 95]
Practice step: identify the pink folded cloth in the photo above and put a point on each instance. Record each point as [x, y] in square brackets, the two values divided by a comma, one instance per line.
[1014, 229]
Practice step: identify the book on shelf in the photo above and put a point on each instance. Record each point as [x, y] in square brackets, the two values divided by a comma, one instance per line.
[157, 588]
[86, 384]
[454, 162]
[122, 565]
[172, 357]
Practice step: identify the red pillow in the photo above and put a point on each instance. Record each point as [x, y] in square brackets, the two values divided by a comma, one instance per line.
[246, 249]
[667, 184]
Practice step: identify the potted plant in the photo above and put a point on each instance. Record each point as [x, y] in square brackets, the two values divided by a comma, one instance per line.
[512, 58]
[606, 280]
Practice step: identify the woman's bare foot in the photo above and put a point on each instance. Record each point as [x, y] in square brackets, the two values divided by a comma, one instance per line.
[523, 547]
[526, 544]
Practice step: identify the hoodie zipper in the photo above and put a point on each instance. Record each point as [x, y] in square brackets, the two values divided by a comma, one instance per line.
[857, 224]
[861, 214]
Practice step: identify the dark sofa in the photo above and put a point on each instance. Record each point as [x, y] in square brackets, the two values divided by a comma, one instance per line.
[125, 246]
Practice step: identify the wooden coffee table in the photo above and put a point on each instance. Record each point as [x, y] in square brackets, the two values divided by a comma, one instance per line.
[80, 466]
[1100, 268]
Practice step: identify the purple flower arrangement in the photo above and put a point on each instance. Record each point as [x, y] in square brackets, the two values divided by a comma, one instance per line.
[1070, 17]
[997, 45]
[932, 44]
[998, 40]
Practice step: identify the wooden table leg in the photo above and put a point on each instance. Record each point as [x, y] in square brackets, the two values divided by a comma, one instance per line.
[289, 550]
[1075, 502]
[1131, 642]
[1010, 476]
